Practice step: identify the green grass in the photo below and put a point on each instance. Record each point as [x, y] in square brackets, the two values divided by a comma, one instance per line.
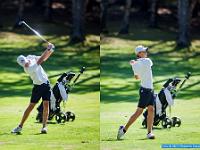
[119, 90]
[16, 87]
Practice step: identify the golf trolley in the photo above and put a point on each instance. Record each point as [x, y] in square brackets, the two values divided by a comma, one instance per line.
[60, 93]
[164, 99]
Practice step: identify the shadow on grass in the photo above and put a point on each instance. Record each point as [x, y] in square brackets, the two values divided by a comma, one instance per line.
[5, 133]
[49, 122]
[140, 29]
[65, 59]
[116, 66]
[112, 139]
[155, 128]
[118, 94]
[142, 139]
[9, 89]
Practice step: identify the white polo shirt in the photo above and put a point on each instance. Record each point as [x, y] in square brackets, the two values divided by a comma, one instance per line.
[142, 68]
[35, 71]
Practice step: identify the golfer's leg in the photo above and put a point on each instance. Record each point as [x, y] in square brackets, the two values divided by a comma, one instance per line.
[26, 113]
[45, 112]
[133, 118]
[150, 118]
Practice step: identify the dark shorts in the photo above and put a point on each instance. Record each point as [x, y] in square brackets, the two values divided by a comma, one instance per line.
[146, 97]
[41, 91]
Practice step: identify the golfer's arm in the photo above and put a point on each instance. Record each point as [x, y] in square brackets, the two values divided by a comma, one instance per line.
[45, 55]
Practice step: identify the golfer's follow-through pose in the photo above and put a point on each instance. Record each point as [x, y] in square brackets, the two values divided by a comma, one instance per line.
[142, 70]
[32, 66]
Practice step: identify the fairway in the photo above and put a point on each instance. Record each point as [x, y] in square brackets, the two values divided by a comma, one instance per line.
[119, 90]
[86, 50]
[83, 133]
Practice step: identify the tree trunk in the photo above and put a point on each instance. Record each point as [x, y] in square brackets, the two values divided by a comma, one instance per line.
[153, 15]
[20, 12]
[78, 10]
[21, 9]
[192, 6]
[144, 5]
[1, 25]
[126, 20]
[183, 23]
[48, 10]
[37, 3]
[104, 15]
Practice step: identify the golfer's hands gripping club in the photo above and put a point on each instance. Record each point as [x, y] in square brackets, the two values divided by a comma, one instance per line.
[132, 62]
[50, 47]
[46, 54]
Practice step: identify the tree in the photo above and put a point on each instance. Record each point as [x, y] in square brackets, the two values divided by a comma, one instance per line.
[78, 9]
[183, 23]
[21, 9]
[103, 15]
[19, 13]
[1, 25]
[48, 10]
[193, 11]
[153, 15]
[126, 20]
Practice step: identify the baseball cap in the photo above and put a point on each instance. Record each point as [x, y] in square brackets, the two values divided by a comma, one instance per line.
[140, 48]
[22, 60]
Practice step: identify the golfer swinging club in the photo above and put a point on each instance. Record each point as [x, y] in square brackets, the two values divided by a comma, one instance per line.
[142, 70]
[32, 66]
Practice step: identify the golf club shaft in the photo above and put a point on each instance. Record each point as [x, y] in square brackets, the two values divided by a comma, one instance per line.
[38, 34]
[180, 87]
[81, 72]
[76, 78]
[182, 83]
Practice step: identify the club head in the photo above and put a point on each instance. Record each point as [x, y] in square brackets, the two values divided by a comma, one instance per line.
[21, 22]
[82, 70]
[188, 75]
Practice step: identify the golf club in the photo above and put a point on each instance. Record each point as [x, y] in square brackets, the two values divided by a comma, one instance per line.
[74, 82]
[81, 71]
[187, 76]
[38, 34]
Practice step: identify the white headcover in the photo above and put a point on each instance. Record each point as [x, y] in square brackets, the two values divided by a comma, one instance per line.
[169, 99]
[53, 101]
[158, 106]
[168, 96]
[63, 92]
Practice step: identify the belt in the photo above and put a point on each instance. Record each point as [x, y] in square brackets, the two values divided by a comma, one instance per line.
[45, 83]
[148, 89]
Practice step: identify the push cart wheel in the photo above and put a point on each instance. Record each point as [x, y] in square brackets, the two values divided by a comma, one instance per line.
[167, 123]
[61, 117]
[70, 116]
[176, 122]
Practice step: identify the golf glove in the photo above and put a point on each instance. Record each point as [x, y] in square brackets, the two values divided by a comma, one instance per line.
[50, 47]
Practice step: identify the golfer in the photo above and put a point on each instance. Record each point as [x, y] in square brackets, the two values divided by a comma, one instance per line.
[32, 66]
[142, 70]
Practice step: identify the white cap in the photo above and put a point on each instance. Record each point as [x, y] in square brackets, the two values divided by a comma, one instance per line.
[140, 48]
[22, 60]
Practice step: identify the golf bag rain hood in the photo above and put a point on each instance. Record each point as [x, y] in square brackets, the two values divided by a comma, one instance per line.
[158, 104]
[59, 93]
[62, 93]
[164, 99]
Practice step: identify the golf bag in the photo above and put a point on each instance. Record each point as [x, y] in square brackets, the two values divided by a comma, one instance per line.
[164, 99]
[60, 93]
